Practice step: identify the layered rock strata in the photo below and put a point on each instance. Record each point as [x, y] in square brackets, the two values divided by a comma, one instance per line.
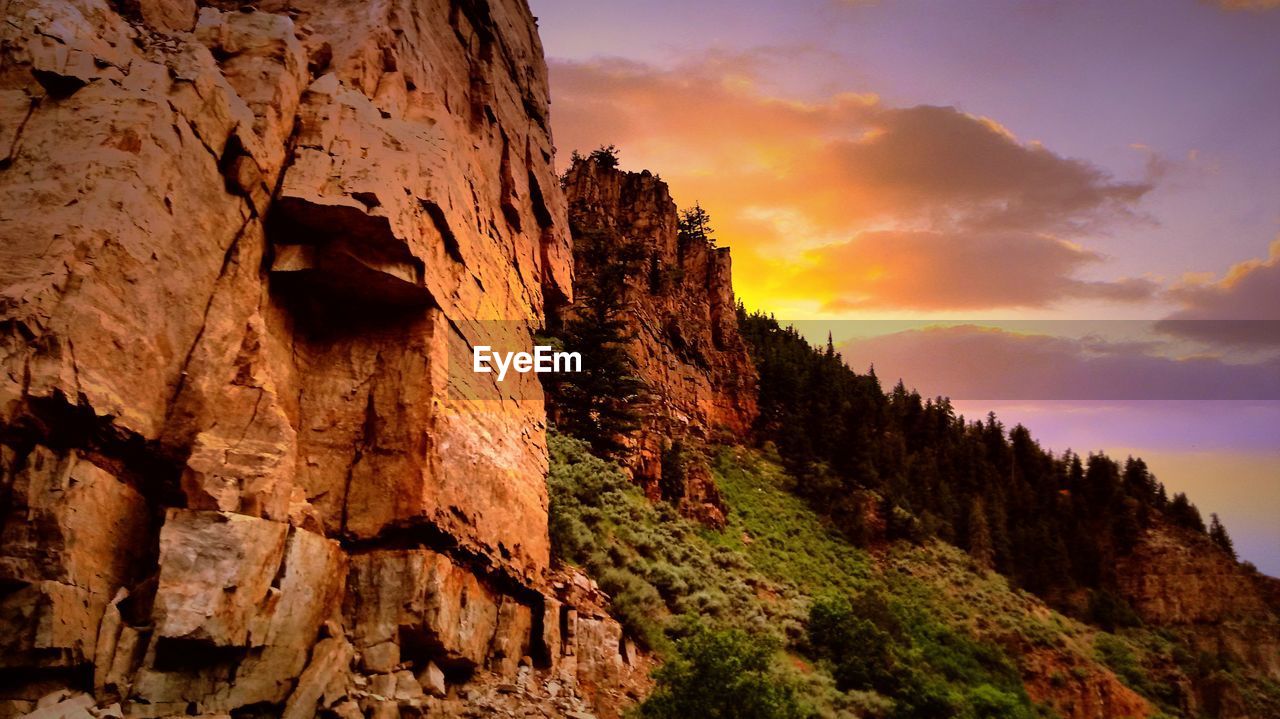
[239, 247]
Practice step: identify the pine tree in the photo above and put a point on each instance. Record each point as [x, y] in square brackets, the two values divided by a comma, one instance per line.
[674, 472]
[980, 536]
[605, 156]
[1218, 534]
[599, 404]
[1185, 514]
[695, 226]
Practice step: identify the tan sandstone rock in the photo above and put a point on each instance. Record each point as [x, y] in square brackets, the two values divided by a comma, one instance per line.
[1178, 580]
[67, 541]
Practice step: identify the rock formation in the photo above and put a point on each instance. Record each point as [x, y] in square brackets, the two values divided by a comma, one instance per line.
[240, 247]
[680, 322]
[1181, 582]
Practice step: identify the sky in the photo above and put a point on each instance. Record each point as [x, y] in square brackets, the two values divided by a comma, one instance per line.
[1067, 211]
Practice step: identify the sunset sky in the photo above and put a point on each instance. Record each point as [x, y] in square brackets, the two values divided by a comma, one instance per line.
[907, 175]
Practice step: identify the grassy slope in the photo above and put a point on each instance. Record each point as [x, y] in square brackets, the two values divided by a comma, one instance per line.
[965, 631]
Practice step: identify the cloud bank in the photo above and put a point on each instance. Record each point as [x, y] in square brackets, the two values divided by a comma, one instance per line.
[972, 362]
[1247, 5]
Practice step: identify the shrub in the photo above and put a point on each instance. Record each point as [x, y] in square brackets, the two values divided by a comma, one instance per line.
[860, 652]
[927, 697]
[636, 605]
[722, 674]
[988, 702]
[1117, 655]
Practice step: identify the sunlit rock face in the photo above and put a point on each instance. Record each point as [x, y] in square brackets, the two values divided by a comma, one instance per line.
[680, 322]
[237, 248]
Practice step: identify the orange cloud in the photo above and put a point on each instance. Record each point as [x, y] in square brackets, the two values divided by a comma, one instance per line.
[846, 202]
[1241, 308]
[1250, 290]
[926, 270]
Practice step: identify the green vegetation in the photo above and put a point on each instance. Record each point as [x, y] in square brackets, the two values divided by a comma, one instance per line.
[864, 644]
[778, 602]
[874, 632]
[605, 156]
[778, 532]
[1120, 658]
[782, 605]
[695, 226]
[726, 673]
[1052, 524]
[857, 641]
[662, 575]
[598, 404]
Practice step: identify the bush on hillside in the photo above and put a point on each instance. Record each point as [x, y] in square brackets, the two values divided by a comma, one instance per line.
[860, 652]
[722, 674]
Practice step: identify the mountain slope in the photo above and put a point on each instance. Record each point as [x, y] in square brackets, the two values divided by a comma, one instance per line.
[999, 534]
[958, 634]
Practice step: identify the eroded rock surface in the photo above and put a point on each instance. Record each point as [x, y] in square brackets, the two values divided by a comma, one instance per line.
[1180, 581]
[239, 247]
[680, 323]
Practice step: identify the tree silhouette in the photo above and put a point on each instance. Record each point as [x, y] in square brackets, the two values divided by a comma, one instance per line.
[1218, 534]
[598, 404]
[605, 156]
[695, 225]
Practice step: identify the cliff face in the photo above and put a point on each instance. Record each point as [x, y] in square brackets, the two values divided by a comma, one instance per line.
[1181, 582]
[239, 249]
[680, 321]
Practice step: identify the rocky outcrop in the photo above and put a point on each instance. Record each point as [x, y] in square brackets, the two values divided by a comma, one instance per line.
[1078, 689]
[1180, 581]
[240, 248]
[680, 321]
[1175, 577]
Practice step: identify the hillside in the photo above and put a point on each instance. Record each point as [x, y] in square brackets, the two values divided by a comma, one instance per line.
[954, 640]
[1155, 592]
